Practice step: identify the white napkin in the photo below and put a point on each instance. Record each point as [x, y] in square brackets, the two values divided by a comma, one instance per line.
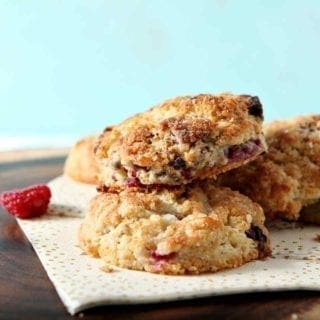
[81, 283]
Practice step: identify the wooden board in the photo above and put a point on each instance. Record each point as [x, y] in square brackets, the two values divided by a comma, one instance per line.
[27, 293]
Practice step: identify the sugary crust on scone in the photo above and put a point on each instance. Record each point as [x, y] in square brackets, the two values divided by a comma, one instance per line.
[104, 135]
[81, 164]
[286, 178]
[190, 229]
[181, 140]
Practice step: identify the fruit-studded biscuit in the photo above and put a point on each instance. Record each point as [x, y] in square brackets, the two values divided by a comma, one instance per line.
[180, 230]
[81, 164]
[285, 180]
[182, 140]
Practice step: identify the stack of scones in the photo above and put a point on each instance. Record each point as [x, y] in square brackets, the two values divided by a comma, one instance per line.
[162, 205]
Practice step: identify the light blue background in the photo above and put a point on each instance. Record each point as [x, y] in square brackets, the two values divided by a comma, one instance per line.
[72, 67]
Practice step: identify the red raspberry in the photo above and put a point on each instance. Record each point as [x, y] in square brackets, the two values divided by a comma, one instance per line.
[133, 182]
[163, 257]
[27, 203]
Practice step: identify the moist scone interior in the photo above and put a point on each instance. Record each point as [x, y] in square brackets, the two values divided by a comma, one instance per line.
[179, 170]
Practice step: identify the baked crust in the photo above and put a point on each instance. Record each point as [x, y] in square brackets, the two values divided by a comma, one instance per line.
[182, 140]
[80, 164]
[181, 230]
[287, 178]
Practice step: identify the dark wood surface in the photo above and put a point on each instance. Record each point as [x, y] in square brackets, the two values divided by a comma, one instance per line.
[27, 293]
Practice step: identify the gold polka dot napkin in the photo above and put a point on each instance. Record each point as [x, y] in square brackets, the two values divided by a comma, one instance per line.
[81, 282]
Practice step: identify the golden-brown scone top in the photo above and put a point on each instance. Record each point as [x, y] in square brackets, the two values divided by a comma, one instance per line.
[188, 229]
[181, 140]
[287, 178]
[81, 164]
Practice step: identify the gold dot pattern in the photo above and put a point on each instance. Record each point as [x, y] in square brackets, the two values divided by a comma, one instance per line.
[80, 282]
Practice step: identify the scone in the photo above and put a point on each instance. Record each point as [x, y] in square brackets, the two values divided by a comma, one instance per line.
[182, 140]
[81, 164]
[180, 230]
[287, 178]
